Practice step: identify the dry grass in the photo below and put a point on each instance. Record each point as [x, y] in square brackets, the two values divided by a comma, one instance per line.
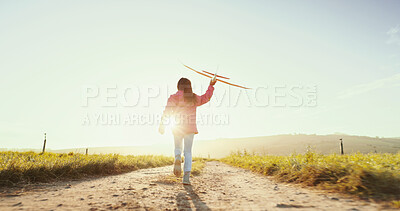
[169, 179]
[375, 176]
[198, 166]
[31, 167]
[395, 204]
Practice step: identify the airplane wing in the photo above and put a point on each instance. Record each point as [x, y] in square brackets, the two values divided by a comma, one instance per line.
[217, 79]
[216, 75]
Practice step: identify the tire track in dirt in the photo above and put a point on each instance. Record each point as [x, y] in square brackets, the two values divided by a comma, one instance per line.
[220, 187]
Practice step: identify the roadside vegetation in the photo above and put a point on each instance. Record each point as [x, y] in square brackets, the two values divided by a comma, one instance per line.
[197, 169]
[198, 165]
[370, 176]
[31, 167]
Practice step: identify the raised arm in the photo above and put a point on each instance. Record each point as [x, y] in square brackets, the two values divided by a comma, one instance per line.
[206, 96]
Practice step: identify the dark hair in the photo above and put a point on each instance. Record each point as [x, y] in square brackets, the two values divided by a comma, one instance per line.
[185, 85]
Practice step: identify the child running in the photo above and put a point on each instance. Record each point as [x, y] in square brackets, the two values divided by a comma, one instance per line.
[182, 107]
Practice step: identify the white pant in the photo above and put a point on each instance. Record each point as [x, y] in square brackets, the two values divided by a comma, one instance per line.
[188, 138]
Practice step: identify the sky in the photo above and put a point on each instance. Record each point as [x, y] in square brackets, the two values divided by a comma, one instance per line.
[99, 73]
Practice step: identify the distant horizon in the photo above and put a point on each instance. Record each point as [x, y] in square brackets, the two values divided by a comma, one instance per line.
[221, 138]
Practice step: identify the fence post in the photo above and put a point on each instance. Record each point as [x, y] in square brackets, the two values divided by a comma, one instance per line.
[341, 147]
[87, 149]
[44, 143]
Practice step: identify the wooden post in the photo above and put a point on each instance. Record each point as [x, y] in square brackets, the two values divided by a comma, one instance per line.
[341, 147]
[87, 149]
[44, 144]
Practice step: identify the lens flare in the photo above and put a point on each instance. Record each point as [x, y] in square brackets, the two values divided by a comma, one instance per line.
[170, 123]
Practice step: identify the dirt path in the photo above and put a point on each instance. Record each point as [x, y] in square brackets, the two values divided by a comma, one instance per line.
[220, 187]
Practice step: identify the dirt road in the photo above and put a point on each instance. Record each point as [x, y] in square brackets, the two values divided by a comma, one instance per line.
[220, 187]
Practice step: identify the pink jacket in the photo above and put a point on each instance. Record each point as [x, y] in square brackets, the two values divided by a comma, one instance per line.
[185, 115]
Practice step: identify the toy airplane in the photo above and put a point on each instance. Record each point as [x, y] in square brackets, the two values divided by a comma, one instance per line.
[214, 76]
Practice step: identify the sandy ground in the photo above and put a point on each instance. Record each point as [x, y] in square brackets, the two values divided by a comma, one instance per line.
[220, 187]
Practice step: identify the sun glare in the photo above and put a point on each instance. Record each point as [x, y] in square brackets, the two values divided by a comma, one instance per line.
[170, 123]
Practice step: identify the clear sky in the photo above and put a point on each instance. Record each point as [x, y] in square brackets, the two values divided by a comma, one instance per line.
[51, 51]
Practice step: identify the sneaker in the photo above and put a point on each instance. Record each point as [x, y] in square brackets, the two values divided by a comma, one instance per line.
[177, 167]
[186, 177]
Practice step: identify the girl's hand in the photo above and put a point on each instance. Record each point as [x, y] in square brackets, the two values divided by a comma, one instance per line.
[161, 129]
[213, 81]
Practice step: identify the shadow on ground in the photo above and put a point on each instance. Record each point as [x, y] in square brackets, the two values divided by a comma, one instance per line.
[183, 198]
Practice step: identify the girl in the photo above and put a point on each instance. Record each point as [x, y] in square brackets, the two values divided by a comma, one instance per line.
[182, 107]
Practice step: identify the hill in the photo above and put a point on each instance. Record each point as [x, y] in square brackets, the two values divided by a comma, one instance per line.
[276, 145]
[287, 144]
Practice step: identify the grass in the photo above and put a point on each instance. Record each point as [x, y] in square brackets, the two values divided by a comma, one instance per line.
[197, 169]
[31, 167]
[198, 166]
[374, 176]
[396, 204]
